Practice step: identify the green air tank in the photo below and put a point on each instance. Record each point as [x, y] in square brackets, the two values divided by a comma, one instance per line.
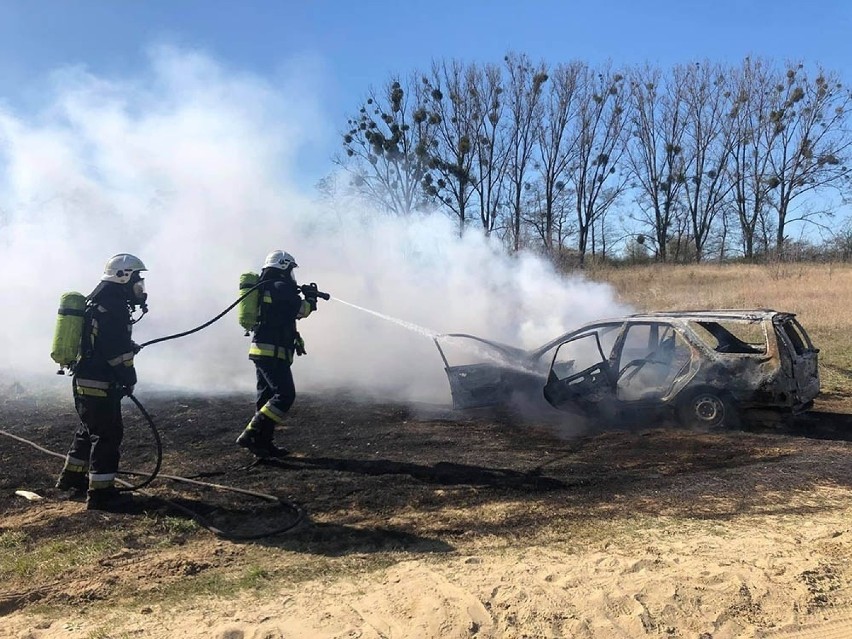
[69, 329]
[247, 309]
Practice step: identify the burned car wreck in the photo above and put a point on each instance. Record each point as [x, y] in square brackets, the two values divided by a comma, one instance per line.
[702, 368]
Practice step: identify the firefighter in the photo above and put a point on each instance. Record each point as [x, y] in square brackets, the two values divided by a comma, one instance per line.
[102, 376]
[274, 343]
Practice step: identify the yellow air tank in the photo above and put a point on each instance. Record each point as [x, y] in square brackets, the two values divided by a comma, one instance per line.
[247, 309]
[69, 329]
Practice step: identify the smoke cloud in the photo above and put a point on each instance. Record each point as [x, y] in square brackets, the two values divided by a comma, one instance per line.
[190, 167]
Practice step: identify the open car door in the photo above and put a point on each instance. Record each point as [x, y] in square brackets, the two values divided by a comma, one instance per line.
[803, 356]
[493, 382]
[580, 376]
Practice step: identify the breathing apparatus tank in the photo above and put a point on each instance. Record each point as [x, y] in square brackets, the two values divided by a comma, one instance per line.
[248, 307]
[69, 330]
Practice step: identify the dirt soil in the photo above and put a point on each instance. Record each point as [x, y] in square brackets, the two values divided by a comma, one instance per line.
[421, 522]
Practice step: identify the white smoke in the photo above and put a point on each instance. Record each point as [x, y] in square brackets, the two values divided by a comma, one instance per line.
[190, 167]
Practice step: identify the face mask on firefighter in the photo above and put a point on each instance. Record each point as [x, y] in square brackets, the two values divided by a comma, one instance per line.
[139, 296]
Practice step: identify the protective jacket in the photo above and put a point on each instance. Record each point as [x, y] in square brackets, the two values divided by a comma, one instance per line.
[105, 364]
[280, 306]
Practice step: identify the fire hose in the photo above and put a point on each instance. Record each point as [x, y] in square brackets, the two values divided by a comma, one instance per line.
[307, 289]
[297, 512]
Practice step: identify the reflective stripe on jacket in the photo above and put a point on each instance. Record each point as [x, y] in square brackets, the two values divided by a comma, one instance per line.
[270, 350]
[107, 352]
[275, 334]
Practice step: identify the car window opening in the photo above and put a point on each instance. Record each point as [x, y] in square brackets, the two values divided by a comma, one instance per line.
[732, 337]
[796, 339]
[654, 357]
[578, 354]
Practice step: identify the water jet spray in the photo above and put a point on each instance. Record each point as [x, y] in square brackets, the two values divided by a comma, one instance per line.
[407, 325]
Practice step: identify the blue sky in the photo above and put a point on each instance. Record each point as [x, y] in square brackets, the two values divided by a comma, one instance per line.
[347, 46]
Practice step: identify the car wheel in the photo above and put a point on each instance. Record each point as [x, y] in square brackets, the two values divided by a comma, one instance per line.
[708, 408]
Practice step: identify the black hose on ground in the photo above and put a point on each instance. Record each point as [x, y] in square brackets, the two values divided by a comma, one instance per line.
[157, 443]
[298, 518]
[149, 477]
[287, 506]
[297, 512]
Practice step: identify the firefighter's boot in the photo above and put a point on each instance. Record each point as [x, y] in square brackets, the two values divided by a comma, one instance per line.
[109, 500]
[75, 480]
[257, 438]
[275, 451]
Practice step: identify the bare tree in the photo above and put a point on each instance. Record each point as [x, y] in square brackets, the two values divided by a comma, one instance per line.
[337, 195]
[680, 245]
[840, 243]
[451, 110]
[542, 153]
[708, 147]
[549, 221]
[601, 141]
[490, 148]
[386, 147]
[557, 144]
[811, 140]
[655, 157]
[751, 141]
[524, 94]
[726, 220]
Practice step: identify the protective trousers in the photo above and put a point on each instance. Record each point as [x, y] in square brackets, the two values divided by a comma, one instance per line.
[276, 391]
[97, 441]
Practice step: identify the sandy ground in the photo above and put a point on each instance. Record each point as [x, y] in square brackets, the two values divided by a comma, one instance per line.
[424, 525]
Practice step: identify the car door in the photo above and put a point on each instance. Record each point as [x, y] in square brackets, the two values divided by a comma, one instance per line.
[651, 358]
[803, 357]
[580, 376]
[477, 385]
[491, 382]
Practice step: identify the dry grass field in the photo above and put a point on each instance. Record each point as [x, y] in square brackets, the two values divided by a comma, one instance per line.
[819, 294]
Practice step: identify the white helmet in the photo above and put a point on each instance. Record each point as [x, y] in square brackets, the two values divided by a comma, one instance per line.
[120, 267]
[280, 260]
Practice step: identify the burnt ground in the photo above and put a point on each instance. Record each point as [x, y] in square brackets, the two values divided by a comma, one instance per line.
[378, 480]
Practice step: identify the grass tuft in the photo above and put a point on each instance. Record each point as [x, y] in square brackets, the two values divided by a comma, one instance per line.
[13, 539]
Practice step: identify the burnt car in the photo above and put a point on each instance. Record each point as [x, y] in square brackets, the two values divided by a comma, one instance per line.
[703, 368]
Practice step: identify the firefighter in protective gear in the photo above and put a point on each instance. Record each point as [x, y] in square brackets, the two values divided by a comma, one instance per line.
[273, 346]
[103, 374]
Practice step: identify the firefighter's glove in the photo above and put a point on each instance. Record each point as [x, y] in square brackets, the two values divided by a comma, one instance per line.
[136, 348]
[127, 390]
[299, 345]
[311, 293]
